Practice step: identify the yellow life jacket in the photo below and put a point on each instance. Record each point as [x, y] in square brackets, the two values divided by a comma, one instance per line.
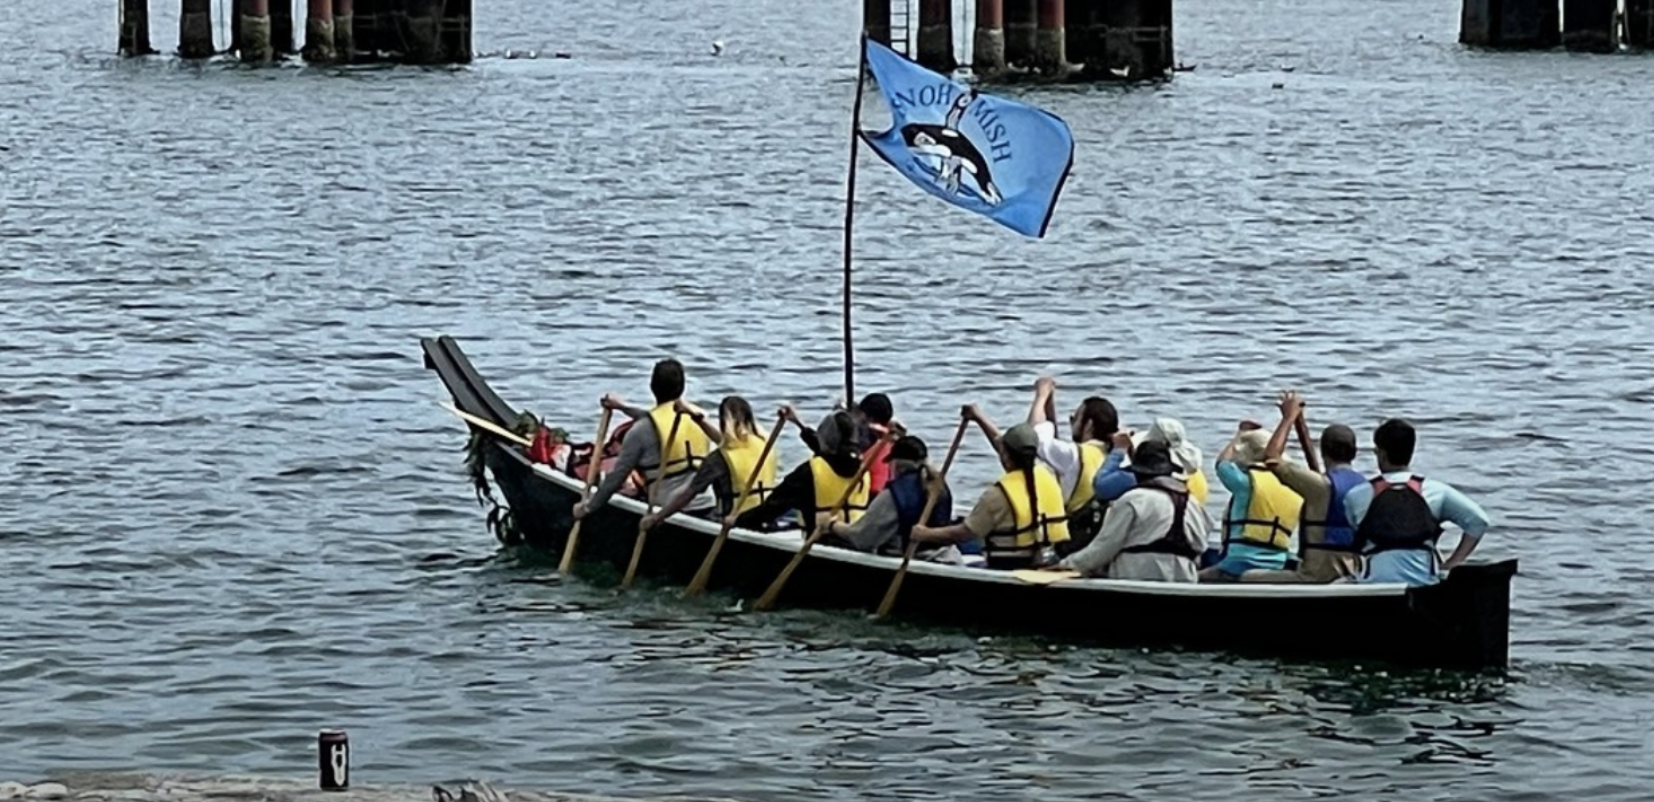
[1197, 486]
[688, 448]
[741, 454]
[1031, 532]
[1272, 514]
[1091, 461]
[830, 488]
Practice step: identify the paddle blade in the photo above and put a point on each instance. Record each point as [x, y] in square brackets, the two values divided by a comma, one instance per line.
[1036, 577]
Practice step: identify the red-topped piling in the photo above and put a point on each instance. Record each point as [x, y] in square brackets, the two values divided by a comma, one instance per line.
[1590, 25]
[935, 48]
[281, 26]
[1050, 47]
[344, 30]
[318, 32]
[195, 29]
[988, 48]
[254, 24]
[134, 34]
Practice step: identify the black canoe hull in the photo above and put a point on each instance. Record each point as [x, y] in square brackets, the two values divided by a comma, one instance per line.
[1463, 622]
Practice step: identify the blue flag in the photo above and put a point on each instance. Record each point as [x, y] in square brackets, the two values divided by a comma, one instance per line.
[992, 156]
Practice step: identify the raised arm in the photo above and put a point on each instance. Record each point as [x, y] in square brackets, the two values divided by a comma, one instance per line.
[970, 412]
[1044, 407]
[1292, 406]
[615, 402]
[698, 415]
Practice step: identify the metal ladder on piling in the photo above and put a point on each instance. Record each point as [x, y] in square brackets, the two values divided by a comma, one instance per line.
[901, 24]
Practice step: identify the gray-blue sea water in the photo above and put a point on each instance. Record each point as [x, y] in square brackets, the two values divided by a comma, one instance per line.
[232, 512]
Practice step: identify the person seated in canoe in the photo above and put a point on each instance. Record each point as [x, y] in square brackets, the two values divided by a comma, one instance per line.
[673, 464]
[1154, 531]
[1116, 477]
[812, 488]
[874, 417]
[1092, 424]
[1262, 514]
[891, 515]
[1326, 541]
[727, 469]
[1021, 517]
[1398, 514]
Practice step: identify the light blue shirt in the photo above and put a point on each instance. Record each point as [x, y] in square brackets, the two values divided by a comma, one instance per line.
[1409, 566]
[1241, 554]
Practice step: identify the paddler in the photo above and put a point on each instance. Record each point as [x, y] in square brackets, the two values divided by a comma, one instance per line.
[1076, 463]
[1116, 478]
[1155, 531]
[727, 468]
[1326, 540]
[892, 514]
[874, 417]
[1257, 528]
[674, 465]
[1398, 514]
[811, 489]
[1021, 518]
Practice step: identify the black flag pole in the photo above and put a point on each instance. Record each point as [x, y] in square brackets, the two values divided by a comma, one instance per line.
[850, 219]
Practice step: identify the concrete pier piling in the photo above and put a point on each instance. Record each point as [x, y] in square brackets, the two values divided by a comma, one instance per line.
[195, 29]
[1639, 24]
[281, 26]
[368, 31]
[935, 47]
[455, 37]
[419, 23]
[1589, 25]
[1511, 24]
[1126, 40]
[318, 32]
[134, 34]
[344, 30]
[1050, 41]
[875, 16]
[1021, 32]
[254, 24]
[988, 47]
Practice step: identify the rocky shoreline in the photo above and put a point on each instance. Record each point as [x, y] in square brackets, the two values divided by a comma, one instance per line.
[117, 787]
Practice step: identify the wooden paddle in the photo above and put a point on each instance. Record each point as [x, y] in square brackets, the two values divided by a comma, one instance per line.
[1039, 576]
[592, 470]
[1312, 459]
[937, 483]
[487, 425]
[654, 496]
[703, 575]
[767, 600]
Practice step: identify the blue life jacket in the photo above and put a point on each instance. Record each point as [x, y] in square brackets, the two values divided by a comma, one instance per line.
[908, 491]
[1340, 535]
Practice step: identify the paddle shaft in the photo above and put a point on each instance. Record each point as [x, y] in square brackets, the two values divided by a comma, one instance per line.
[767, 600]
[594, 468]
[938, 483]
[703, 575]
[488, 425]
[1312, 459]
[654, 494]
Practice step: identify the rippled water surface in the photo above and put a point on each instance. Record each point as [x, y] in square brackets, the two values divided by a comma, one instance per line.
[232, 513]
